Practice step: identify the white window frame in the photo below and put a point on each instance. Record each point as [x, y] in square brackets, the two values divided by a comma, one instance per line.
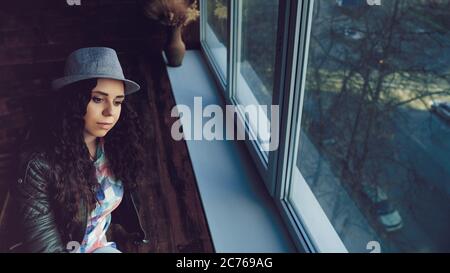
[308, 221]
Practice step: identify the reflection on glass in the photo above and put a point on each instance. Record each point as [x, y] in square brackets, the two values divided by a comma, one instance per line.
[375, 131]
[256, 52]
[256, 49]
[216, 32]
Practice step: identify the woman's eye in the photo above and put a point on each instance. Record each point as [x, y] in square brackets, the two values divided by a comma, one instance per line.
[96, 100]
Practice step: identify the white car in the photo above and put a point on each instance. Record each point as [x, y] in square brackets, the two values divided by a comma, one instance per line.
[442, 109]
[353, 34]
[387, 214]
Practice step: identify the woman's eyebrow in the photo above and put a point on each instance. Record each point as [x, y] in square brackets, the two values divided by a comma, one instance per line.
[106, 94]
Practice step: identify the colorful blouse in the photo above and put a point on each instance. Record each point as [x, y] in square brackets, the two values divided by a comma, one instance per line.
[109, 196]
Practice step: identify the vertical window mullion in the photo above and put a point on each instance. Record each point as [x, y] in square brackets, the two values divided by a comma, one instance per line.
[229, 83]
[203, 21]
[233, 49]
[295, 125]
[291, 113]
[285, 67]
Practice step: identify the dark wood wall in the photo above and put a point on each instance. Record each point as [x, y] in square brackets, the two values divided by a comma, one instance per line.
[36, 37]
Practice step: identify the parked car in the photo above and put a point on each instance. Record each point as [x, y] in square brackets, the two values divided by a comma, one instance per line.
[441, 109]
[387, 215]
[353, 34]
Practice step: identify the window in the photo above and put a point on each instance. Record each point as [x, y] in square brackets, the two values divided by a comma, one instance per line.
[256, 36]
[364, 94]
[239, 39]
[373, 140]
[216, 33]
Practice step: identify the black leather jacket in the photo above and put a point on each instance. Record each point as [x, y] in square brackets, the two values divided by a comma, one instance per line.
[39, 230]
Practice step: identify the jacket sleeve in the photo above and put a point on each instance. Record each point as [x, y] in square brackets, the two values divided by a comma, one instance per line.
[40, 233]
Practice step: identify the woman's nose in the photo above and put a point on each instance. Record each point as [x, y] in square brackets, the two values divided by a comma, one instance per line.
[109, 110]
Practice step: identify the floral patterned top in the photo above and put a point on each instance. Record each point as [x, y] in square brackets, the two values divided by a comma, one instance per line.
[109, 195]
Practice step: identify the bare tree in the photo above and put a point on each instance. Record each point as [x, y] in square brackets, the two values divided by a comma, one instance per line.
[368, 69]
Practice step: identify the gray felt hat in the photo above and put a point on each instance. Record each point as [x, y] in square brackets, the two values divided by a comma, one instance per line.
[94, 62]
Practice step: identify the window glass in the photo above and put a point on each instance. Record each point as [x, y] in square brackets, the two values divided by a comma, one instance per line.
[217, 32]
[374, 138]
[256, 50]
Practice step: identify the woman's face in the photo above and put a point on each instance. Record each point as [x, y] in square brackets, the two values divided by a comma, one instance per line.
[103, 110]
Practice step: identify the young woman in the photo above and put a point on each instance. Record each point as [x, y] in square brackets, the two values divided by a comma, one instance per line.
[85, 170]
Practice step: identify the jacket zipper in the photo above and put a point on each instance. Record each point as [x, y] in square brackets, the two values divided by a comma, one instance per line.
[145, 240]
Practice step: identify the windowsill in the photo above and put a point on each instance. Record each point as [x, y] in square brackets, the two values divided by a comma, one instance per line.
[241, 214]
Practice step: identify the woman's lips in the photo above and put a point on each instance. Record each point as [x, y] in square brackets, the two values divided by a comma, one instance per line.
[104, 125]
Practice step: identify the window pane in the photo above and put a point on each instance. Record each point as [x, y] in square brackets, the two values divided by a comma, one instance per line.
[257, 35]
[217, 32]
[374, 143]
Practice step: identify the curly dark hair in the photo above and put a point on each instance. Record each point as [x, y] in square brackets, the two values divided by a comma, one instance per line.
[72, 171]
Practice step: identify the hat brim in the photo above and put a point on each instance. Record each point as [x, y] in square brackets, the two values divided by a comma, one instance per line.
[130, 86]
